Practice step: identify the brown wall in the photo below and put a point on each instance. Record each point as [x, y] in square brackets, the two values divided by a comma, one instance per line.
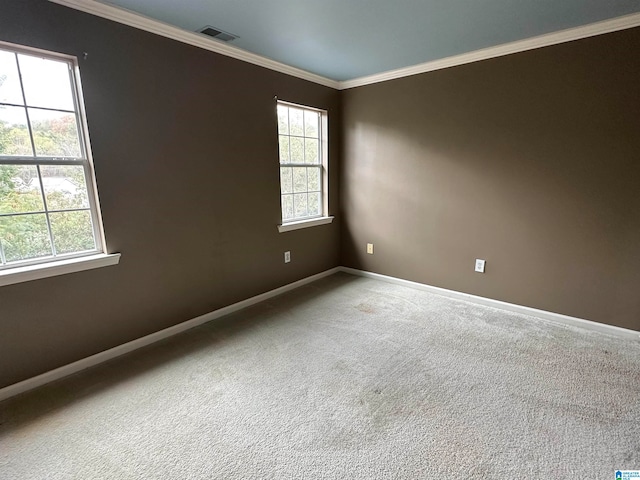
[530, 161]
[185, 149]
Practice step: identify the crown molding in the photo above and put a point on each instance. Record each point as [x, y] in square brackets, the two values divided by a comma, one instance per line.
[136, 20]
[561, 36]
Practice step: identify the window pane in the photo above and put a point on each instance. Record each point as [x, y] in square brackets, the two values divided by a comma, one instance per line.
[296, 122]
[55, 134]
[311, 124]
[287, 207]
[46, 82]
[20, 189]
[300, 205]
[283, 120]
[9, 80]
[24, 237]
[299, 179]
[72, 231]
[14, 134]
[64, 186]
[284, 149]
[297, 150]
[286, 180]
[310, 150]
[314, 204]
[301, 186]
[313, 179]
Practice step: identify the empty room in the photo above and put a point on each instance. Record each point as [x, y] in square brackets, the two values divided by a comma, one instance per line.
[336, 240]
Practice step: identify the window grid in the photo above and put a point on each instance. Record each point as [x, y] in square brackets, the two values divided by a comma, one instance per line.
[302, 192]
[43, 196]
[94, 244]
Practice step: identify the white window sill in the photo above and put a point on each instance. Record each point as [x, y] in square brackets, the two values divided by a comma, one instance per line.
[287, 227]
[60, 267]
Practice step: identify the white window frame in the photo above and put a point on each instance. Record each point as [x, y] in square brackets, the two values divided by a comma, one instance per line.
[323, 152]
[58, 264]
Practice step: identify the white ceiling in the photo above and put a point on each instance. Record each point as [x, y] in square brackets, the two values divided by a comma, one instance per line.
[347, 39]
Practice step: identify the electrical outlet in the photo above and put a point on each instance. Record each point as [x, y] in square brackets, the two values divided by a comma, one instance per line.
[370, 248]
[287, 257]
[480, 265]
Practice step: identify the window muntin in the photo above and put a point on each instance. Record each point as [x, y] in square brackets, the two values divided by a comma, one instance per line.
[48, 205]
[302, 162]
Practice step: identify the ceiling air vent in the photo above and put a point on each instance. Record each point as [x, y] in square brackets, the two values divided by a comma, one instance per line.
[217, 33]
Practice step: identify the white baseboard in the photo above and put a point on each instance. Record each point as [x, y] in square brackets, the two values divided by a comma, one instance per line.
[75, 367]
[554, 317]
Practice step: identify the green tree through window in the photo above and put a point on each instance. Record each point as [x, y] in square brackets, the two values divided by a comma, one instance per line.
[302, 166]
[47, 208]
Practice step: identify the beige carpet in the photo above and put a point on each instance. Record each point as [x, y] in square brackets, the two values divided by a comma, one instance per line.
[346, 378]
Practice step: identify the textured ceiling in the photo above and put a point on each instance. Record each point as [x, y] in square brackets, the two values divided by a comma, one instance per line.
[346, 39]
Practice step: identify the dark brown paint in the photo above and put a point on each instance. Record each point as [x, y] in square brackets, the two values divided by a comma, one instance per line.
[529, 161]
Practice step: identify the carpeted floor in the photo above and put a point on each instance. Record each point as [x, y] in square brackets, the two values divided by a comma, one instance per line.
[346, 378]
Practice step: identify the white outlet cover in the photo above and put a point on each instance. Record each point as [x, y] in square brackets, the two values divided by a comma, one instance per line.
[287, 257]
[480, 265]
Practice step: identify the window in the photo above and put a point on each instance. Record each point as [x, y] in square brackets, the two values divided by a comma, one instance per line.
[303, 165]
[48, 203]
